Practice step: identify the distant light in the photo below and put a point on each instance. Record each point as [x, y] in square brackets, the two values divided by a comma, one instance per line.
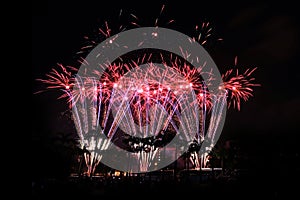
[191, 84]
[104, 83]
[234, 88]
[120, 86]
[148, 88]
[187, 86]
[140, 90]
[126, 98]
[110, 41]
[169, 88]
[181, 86]
[160, 89]
[220, 88]
[154, 34]
[175, 92]
[67, 87]
[115, 85]
[82, 88]
[154, 92]
[201, 94]
[95, 88]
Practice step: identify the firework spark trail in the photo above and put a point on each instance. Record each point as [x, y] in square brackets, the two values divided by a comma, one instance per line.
[216, 114]
[120, 113]
[204, 32]
[130, 126]
[239, 86]
[203, 116]
[173, 113]
[96, 145]
[155, 131]
[145, 159]
[61, 79]
[86, 122]
[83, 97]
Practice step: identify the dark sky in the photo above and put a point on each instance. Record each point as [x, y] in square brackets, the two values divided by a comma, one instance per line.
[261, 35]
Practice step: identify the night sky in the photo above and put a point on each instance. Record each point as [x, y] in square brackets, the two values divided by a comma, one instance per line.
[261, 35]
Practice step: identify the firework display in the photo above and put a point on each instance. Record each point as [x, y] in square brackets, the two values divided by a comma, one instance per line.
[140, 105]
